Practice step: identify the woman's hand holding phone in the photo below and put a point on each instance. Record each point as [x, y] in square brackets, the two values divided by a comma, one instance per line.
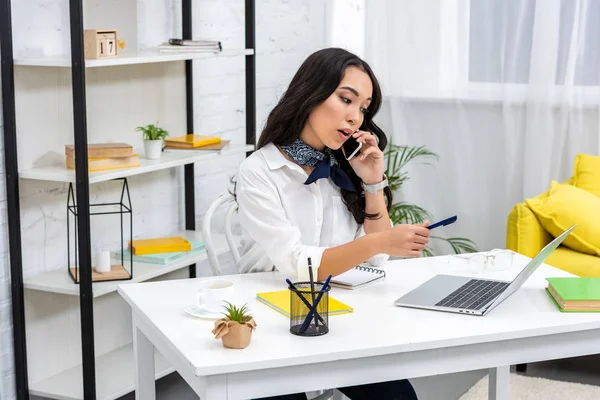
[405, 240]
[368, 163]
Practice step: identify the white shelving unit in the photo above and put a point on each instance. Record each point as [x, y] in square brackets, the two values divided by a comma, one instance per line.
[141, 57]
[55, 308]
[59, 173]
[115, 377]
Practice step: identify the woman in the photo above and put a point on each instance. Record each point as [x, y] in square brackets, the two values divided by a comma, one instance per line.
[300, 199]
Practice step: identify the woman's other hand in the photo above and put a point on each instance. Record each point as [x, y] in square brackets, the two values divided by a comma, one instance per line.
[405, 240]
[368, 164]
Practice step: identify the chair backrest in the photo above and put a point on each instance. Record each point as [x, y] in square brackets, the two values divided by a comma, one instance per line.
[224, 200]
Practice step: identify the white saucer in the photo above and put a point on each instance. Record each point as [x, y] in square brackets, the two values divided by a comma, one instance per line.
[199, 312]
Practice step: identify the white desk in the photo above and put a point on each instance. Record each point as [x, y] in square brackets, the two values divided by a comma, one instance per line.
[378, 342]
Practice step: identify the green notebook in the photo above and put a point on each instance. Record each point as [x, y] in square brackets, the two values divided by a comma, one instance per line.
[575, 289]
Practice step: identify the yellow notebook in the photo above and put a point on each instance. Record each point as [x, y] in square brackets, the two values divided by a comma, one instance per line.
[192, 141]
[280, 302]
[159, 245]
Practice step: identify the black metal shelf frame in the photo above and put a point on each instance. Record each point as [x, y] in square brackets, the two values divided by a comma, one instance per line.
[82, 178]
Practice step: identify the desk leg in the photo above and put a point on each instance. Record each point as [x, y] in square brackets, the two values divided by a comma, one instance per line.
[499, 383]
[143, 355]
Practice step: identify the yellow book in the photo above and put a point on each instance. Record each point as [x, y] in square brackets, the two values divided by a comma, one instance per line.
[192, 141]
[280, 302]
[159, 245]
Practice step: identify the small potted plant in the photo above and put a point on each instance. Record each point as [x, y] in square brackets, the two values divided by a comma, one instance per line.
[236, 328]
[153, 140]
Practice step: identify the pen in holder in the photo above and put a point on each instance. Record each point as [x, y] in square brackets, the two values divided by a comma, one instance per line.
[301, 304]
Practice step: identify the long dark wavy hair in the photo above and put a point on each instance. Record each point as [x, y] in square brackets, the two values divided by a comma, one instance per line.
[317, 78]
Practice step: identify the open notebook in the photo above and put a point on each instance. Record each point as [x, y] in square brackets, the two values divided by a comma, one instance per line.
[358, 276]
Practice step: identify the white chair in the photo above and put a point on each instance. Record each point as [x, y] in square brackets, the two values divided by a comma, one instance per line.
[228, 201]
[224, 200]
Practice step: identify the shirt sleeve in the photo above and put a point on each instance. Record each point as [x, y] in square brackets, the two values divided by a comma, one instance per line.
[378, 259]
[263, 218]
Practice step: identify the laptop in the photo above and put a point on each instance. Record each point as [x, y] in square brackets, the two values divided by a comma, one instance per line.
[466, 295]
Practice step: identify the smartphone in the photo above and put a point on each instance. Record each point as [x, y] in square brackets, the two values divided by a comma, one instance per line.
[351, 147]
[444, 222]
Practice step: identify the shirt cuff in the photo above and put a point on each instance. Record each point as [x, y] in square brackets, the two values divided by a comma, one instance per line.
[315, 254]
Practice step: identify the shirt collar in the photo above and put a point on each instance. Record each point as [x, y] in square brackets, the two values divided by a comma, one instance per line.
[274, 158]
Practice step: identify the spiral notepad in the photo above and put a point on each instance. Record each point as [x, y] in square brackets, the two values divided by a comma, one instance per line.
[358, 276]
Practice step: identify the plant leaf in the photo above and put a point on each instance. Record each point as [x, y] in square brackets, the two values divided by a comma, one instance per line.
[427, 252]
[408, 213]
[459, 245]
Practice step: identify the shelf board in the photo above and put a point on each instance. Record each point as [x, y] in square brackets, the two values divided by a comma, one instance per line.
[141, 57]
[114, 377]
[59, 280]
[60, 173]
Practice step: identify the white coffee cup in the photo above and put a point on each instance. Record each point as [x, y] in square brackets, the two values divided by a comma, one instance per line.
[213, 294]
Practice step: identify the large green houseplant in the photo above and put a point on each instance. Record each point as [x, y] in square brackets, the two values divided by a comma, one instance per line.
[397, 158]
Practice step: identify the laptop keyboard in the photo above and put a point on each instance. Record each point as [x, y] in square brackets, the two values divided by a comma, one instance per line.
[473, 294]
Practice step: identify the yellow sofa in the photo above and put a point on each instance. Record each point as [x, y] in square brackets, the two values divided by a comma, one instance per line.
[526, 235]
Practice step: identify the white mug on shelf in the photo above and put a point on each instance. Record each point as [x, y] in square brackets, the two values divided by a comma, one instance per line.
[103, 261]
[213, 294]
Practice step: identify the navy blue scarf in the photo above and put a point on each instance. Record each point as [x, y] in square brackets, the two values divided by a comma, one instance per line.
[324, 162]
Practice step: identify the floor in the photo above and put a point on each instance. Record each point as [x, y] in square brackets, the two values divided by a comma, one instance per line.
[442, 387]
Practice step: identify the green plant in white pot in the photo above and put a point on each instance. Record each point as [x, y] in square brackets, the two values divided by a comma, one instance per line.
[153, 140]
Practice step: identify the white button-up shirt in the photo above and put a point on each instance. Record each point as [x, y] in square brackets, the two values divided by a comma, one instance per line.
[284, 221]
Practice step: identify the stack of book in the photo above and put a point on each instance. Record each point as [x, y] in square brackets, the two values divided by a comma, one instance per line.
[156, 254]
[105, 156]
[574, 294]
[197, 46]
[194, 142]
[159, 245]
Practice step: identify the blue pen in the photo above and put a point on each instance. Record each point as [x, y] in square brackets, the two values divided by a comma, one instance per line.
[444, 222]
[306, 322]
[312, 285]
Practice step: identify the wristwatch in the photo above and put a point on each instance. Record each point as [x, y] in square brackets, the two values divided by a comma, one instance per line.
[374, 188]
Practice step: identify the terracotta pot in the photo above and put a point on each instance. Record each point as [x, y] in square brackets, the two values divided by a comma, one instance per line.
[233, 334]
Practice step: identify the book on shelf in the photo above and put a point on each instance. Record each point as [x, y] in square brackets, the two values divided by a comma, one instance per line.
[159, 258]
[107, 163]
[191, 141]
[214, 147]
[103, 150]
[200, 46]
[159, 245]
[575, 294]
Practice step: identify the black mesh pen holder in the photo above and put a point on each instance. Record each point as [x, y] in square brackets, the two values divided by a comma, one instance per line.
[301, 303]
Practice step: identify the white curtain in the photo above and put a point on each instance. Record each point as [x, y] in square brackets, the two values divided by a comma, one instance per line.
[505, 91]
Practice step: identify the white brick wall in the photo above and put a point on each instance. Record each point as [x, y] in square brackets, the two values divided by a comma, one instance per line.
[286, 33]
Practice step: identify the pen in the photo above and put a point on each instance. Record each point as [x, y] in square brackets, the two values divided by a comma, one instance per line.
[444, 222]
[306, 323]
[306, 303]
[312, 285]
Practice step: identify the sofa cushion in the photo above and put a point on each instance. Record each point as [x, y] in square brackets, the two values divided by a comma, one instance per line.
[564, 206]
[524, 233]
[584, 265]
[587, 173]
